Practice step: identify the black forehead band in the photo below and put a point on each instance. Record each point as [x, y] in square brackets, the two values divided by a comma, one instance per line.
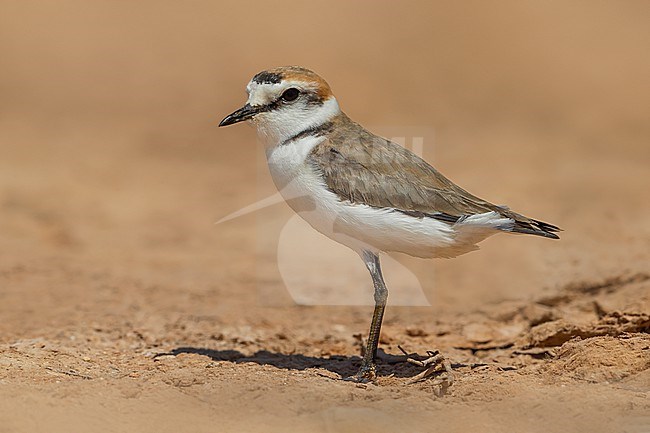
[267, 78]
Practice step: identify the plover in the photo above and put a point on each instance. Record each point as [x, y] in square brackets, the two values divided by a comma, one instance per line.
[362, 190]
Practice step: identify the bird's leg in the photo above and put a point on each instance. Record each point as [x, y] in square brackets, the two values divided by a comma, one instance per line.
[367, 371]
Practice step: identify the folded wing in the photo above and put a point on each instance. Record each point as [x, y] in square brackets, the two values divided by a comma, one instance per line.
[374, 171]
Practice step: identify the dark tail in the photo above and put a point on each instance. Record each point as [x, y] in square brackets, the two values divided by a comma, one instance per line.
[537, 228]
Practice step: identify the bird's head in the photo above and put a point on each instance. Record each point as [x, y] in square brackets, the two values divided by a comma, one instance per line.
[285, 101]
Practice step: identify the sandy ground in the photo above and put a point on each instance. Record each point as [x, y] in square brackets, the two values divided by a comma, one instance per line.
[125, 308]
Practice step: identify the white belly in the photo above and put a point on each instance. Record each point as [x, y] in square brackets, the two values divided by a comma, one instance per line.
[362, 227]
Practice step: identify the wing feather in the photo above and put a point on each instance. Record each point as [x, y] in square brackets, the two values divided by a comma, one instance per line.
[374, 171]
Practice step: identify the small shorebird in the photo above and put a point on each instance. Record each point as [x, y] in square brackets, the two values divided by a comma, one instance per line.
[362, 190]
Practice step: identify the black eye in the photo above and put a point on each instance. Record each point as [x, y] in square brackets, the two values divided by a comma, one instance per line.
[290, 94]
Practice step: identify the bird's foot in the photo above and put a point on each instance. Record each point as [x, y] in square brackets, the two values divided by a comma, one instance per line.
[366, 374]
[436, 366]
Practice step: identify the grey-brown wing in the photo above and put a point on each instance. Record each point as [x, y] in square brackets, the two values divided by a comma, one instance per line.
[379, 173]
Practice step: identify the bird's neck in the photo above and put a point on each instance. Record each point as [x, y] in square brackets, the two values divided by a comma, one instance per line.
[279, 128]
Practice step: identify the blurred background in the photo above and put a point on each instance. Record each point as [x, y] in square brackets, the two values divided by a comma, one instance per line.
[113, 171]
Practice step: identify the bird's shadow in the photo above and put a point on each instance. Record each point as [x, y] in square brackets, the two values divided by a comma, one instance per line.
[343, 366]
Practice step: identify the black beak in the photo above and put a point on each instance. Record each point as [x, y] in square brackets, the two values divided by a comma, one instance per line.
[244, 113]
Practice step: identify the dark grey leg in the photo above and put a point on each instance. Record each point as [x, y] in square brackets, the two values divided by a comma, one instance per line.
[367, 370]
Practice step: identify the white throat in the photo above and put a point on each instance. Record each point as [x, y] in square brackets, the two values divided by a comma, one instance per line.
[277, 126]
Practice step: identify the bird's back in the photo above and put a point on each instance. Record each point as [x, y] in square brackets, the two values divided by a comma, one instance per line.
[362, 168]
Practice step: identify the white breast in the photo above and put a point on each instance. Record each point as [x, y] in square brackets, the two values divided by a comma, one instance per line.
[362, 227]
